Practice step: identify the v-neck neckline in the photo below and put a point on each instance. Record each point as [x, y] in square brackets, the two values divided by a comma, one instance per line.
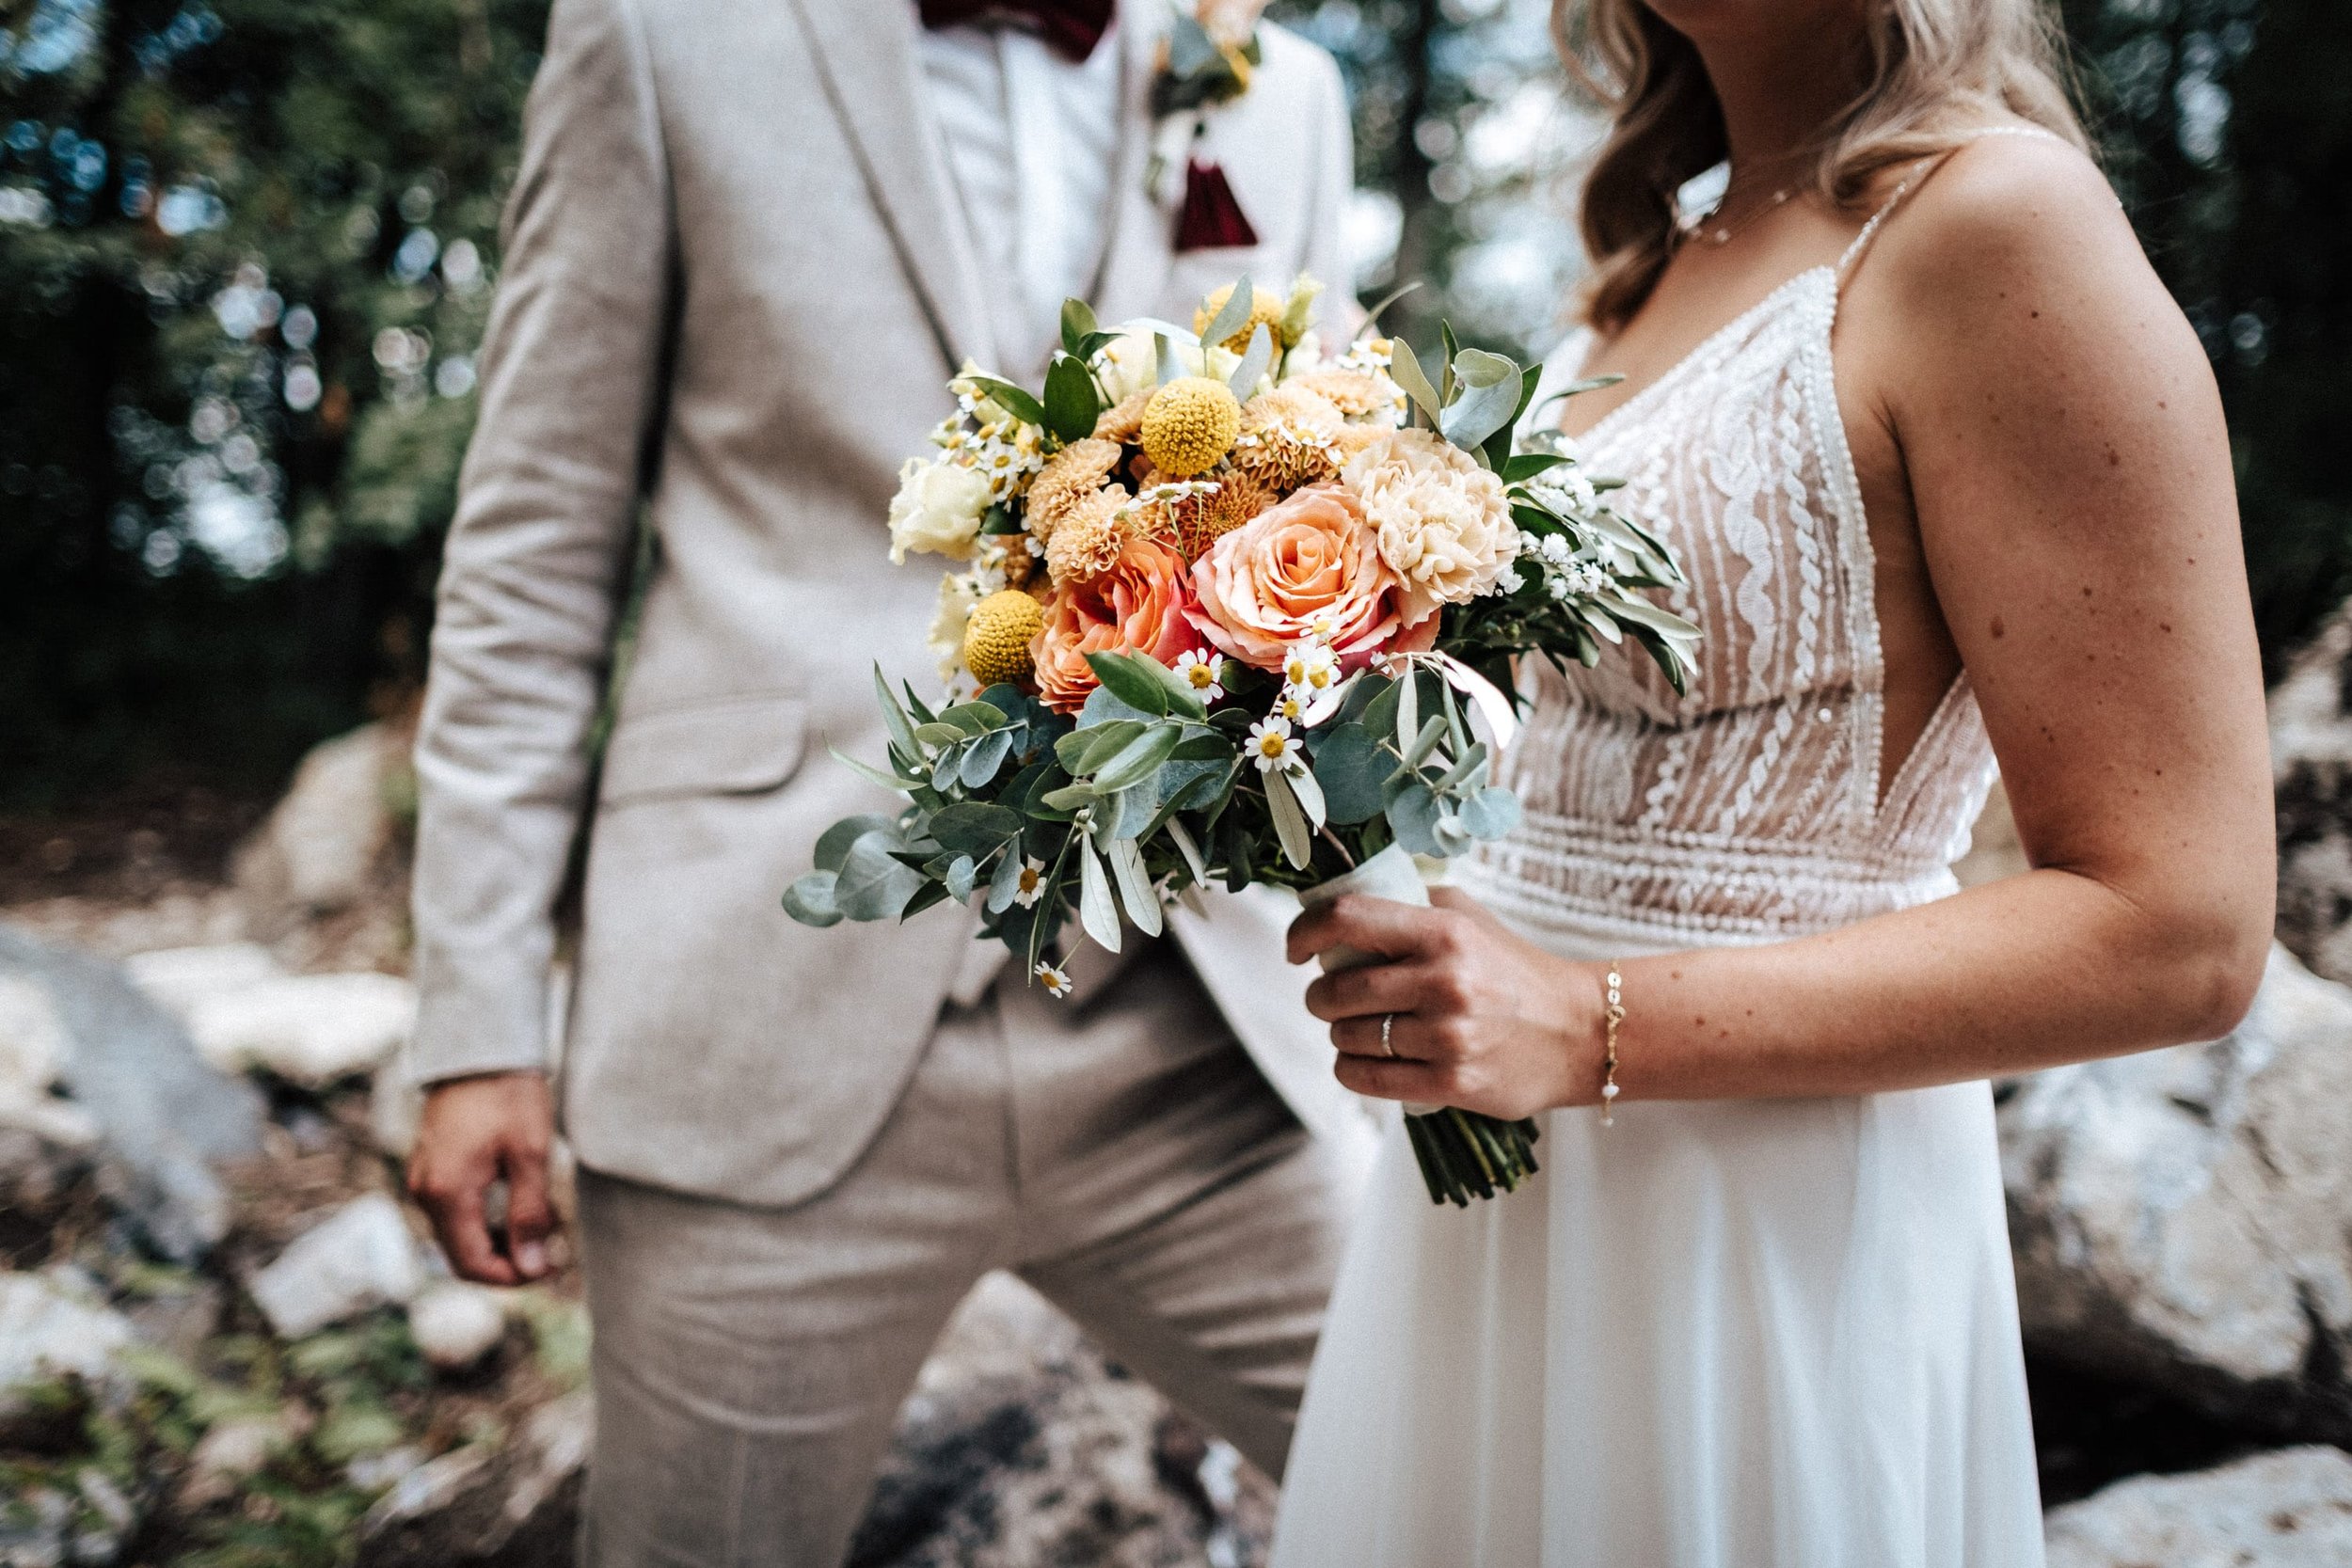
[1649, 389]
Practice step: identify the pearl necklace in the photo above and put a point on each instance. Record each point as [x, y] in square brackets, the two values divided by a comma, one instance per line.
[1696, 229]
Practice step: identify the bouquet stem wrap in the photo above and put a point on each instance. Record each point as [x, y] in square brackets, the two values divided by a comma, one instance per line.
[1462, 1154]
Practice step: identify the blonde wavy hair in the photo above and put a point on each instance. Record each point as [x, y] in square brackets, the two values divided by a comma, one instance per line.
[1935, 68]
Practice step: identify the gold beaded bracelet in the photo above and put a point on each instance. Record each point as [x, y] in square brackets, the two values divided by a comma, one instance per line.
[1612, 1017]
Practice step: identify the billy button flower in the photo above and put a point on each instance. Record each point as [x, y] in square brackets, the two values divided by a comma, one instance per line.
[1189, 425]
[997, 638]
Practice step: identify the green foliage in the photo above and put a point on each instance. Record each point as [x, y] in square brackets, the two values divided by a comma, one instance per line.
[250, 250]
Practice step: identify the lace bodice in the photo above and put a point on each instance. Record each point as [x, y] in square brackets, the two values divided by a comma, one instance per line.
[1751, 808]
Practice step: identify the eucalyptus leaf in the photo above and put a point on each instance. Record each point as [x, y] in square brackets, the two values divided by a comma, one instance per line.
[1096, 912]
[1135, 761]
[962, 877]
[1135, 886]
[809, 900]
[1179, 836]
[1232, 313]
[1005, 886]
[872, 884]
[1351, 767]
[1290, 821]
[1309, 793]
[832, 845]
[1075, 797]
[1164, 354]
[1490, 812]
[938, 733]
[1253, 363]
[1453, 838]
[1084, 751]
[868, 771]
[1123, 676]
[894, 715]
[1425, 742]
[986, 755]
[1406, 372]
[925, 897]
[975, 827]
[1490, 395]
[1413, 817]
[1102, 706]
[974, 717]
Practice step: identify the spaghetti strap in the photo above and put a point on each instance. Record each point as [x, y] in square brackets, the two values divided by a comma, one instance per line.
[1919, 176]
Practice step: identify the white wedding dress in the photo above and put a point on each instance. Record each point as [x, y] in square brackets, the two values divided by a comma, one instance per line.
[1764, 1333]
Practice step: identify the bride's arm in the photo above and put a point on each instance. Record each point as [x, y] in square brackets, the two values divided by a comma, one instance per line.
[2071, 475]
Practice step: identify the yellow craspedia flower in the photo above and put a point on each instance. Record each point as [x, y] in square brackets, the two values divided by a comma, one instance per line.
[996, 638]
[1265, 311]
[1189, 425]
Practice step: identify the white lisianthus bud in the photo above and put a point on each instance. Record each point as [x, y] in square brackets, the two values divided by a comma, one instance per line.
[937, 509]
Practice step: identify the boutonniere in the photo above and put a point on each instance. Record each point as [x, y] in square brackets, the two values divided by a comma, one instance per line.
[1206, 61]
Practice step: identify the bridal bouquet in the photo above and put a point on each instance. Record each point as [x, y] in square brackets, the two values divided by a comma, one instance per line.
[1230, 611]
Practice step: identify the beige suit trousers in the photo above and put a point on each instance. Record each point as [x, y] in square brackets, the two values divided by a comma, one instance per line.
[1122, 1154]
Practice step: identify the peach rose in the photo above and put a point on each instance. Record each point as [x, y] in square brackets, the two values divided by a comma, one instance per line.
[1307, 566]
[1140, 605]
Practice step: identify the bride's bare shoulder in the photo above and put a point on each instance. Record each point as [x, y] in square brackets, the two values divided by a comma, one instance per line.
[2009, 209]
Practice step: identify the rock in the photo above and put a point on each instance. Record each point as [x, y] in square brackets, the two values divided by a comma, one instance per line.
[33, 1049]
[2178, 1216]
[46, 1527]
[359, 1259]
[456, 1324]
[517, 1505]
[179, 1317]
[51, 1329]
[229, 1454]
[180, 977]
[2310, 761]
[1021, 1446]
[2290, 1509]
[322, 845]
[310, 1029]
[162, 1116]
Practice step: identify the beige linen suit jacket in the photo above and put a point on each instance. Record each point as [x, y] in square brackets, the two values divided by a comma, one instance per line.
[735, 280]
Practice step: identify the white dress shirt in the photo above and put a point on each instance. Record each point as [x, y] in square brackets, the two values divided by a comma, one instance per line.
[1030, 138]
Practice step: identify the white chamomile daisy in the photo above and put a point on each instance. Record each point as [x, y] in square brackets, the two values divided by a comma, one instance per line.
[1202, 671]
[1028, 883]
[1056, 981]
[1312, 669]
[1270, 743]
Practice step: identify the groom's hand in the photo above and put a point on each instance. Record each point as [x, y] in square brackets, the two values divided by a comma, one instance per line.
[475, 1134]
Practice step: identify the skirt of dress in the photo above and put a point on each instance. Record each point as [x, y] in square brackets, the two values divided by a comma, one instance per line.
[1718, 1335]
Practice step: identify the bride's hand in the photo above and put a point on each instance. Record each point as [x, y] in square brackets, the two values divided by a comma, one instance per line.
[1482, 1019]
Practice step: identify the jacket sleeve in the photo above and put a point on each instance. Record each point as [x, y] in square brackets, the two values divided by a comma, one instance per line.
[1333, 188]
[538, 553]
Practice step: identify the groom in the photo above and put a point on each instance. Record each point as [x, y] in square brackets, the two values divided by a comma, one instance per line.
[748, 244]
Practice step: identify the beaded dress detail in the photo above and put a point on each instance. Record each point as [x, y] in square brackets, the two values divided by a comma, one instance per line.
[1719, 1333]
[1752, 809]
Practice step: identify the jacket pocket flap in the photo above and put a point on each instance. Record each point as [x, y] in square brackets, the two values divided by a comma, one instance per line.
[731, 746]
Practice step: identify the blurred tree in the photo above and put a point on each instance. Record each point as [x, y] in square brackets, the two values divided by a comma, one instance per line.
[247, 245]
[244, 256]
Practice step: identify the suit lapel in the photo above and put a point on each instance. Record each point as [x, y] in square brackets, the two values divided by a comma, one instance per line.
[1137, 255]
[865, 54]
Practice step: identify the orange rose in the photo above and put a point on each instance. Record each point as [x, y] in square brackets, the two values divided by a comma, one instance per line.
[1307, 566]
[1139, 606]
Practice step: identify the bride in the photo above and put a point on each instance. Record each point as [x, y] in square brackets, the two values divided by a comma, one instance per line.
[1949, 476]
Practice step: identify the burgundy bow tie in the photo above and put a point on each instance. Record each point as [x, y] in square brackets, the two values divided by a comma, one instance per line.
[1072, 27]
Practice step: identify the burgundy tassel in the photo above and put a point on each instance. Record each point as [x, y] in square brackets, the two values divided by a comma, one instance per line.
[1210, 218]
